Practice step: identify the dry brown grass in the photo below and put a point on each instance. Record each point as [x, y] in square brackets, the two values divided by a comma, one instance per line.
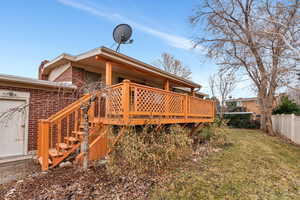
[146, 150]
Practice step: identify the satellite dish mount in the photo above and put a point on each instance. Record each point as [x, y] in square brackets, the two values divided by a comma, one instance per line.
[122, 34]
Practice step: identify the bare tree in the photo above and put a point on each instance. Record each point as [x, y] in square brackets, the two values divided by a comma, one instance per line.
[221, 86]
[168, 63]
[248, 35]
[8, 114]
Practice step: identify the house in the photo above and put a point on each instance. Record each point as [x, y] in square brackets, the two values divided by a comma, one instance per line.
[294, 95]
[244, 105]
[135, 93]
[248, 106]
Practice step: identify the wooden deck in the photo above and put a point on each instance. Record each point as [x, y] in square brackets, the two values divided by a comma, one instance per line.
[124, 104]
[135, 104]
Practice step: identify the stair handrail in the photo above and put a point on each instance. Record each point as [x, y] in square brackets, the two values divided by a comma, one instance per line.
[70, 108]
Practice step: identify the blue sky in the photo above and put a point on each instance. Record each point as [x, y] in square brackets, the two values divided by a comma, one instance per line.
[35, 30]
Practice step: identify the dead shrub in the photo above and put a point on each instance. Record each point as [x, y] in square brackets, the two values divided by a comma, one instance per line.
[211, 134]
[145, 150]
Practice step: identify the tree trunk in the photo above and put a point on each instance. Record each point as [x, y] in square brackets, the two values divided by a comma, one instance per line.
[85, 143]
[266, 104]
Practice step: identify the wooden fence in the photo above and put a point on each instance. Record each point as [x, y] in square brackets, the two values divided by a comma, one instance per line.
[288, 126]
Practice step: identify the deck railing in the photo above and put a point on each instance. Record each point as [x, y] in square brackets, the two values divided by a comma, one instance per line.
[131, 103]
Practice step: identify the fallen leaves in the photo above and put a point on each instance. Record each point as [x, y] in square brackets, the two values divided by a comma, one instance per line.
[71, 183]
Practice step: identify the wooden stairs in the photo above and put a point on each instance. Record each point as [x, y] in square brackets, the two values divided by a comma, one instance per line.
[61, 135]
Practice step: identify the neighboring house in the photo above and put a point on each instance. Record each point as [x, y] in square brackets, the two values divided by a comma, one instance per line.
[136, 94]
[294, 95]
[249, 105]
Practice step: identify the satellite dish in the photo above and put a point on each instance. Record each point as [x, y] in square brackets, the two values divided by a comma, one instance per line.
[122, 34]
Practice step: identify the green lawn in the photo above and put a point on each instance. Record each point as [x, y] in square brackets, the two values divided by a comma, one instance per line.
[256, 166]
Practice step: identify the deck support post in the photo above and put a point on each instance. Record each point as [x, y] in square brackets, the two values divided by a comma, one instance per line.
[193, 93]
[167, 85]
[108, 73]
[45, 125]
[125, 101]
[195, 128]
[167, 103]
[186, 107]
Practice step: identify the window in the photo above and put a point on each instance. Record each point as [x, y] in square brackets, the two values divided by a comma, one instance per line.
[120, 79]
[92, 77]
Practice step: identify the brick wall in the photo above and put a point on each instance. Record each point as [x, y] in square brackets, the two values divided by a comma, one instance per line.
[43, 103]
[73, 74]
[252, 106]
[78, 76]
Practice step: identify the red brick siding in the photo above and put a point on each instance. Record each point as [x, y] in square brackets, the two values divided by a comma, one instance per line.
[72, 74]
[75, 75]
[78, 77]
[43, 103]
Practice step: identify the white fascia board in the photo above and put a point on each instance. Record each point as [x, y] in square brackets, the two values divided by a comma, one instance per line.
[19, 79]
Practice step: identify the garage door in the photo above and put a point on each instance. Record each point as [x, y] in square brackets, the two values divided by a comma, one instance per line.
[12, 132]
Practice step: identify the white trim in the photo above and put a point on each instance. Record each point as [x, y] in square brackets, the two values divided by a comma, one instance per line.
[237, 113]
[15, 158]
[21, 96]
[19, 79]
[242, 99]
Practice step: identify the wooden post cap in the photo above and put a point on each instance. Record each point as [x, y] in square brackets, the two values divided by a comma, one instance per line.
[126, 81]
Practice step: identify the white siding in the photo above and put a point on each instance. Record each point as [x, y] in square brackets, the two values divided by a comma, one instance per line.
[56, 72]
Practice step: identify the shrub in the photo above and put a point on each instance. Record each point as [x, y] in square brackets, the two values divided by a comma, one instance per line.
[219, 122]
[149, 151]
[242, 121]
[212, 134]
[287, 107]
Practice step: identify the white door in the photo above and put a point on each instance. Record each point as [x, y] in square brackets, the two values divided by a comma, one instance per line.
[12, 132]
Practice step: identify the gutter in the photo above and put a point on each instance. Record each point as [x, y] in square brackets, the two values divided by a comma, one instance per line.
[36, 82]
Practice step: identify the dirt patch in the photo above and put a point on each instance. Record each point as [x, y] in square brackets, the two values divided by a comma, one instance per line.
[71, 183]
[17, 170]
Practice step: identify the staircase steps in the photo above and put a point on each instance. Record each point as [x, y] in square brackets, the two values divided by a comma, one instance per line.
[78, 134]
[65, 153]
[71, 140]
[63, 146]
[71, 143]
[55, 153]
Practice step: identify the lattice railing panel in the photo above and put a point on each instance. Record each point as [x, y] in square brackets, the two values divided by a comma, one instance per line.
[149, 100]
[176, 103]
[200, 106]
[114, 100]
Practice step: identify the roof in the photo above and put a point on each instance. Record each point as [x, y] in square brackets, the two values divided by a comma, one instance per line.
[116, 56]
[237, 113]
[187, 90]
[41, 83]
